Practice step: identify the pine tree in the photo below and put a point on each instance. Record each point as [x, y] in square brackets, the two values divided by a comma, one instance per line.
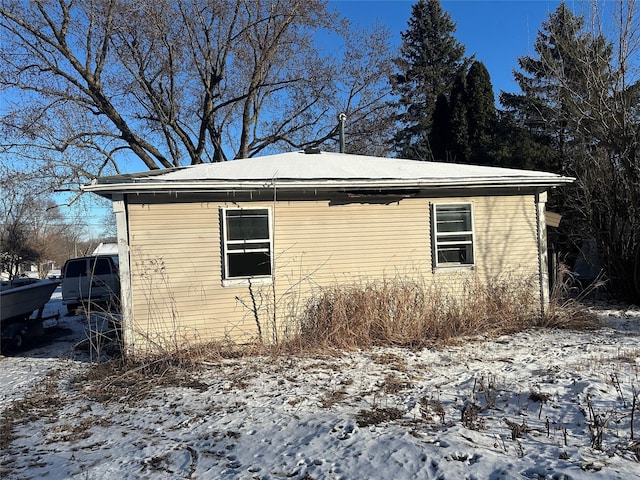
[481, 114]
[440, 133]
[461, 149]
[554, 87]
[470, 119]
[516, 147]
[430, 58]
[576, 100]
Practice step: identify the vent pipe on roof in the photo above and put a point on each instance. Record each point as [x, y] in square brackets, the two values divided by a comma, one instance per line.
[341, 119]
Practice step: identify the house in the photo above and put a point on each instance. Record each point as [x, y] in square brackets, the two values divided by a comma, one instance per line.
[208, 251]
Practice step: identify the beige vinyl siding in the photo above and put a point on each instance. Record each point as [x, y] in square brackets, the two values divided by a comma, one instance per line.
[339, 242]
[177, 273]
[505, 234]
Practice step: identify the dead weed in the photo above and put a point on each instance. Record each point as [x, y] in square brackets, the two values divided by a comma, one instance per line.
[43, 402]
[132, 382]
[377, 415]
[408, 313]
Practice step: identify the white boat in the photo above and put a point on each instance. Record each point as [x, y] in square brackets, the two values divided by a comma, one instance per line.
[18, 300]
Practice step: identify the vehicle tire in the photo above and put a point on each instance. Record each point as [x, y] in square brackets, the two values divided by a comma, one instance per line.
[16, 341]
[71, 309]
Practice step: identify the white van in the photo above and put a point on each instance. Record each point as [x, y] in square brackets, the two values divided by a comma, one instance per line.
[90, 280]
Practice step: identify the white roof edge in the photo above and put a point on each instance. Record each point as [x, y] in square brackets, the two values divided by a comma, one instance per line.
[213, 186]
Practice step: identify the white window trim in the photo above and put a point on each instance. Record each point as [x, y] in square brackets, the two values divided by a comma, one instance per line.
[249, 280]
[435, 243]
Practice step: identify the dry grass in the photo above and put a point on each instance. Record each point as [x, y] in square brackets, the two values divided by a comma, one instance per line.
[566, 308]
[413, 314]
[392, 312]
[334, 397]
[42, 402]
[408, 311]
[569, 314]
[377, 415]
[133, 380]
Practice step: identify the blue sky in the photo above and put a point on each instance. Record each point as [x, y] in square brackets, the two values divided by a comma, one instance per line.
[496, 31]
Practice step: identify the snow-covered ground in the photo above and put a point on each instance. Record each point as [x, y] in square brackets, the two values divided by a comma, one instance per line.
[540, 404]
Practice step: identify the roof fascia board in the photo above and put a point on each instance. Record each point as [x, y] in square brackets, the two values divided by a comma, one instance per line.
[204, 186]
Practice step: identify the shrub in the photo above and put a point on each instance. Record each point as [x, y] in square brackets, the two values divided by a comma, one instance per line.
[413, 313]
[566, 308]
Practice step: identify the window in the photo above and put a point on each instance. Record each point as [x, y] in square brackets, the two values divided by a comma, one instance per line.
[76, 268]
[100, 266]
[246, 243]
[453, 234]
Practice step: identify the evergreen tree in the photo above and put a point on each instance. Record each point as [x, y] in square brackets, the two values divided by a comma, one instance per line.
[440, 133]
[579, 102]
[461, 149]
[430, 58]
[470, 119]
[554, 85]
[481, 113]
[514, 146]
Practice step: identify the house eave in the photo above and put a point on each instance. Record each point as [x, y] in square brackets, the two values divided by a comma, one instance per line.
[107, 187]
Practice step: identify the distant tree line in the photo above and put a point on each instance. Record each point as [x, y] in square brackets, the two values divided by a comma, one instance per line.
[33, 230]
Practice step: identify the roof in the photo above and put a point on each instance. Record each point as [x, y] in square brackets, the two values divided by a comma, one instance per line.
[106, 249]
[299, 170]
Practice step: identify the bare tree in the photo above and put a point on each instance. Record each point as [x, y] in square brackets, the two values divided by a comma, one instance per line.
[15, 249]
[608, 177]
[32, 228]
[581, 94]
[177, 82]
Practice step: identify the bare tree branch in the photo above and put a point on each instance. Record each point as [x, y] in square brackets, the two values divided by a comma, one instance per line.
[176, 82]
